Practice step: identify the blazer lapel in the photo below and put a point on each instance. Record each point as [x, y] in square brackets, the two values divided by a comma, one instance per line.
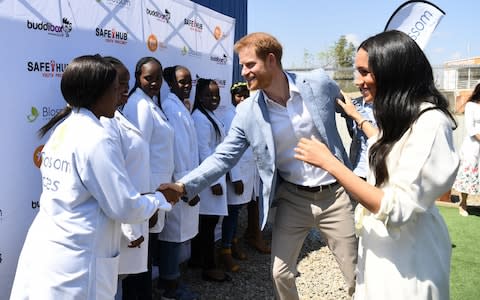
[314, 107]
[261, 115]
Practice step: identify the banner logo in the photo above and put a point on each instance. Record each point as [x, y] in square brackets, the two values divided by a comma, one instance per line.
[52, 29]
[217, 33]
[37, 156]
[221, 60]
[122, 3]
[48, 69]
[164, 17]
[33, 114]
[221, 82]
[112, 35]
[190, 52]
[194, 25]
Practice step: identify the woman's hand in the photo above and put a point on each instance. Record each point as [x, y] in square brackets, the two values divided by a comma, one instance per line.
[315, 153]
[136, 243]
[348, 107]
[217, 189]
[238, 187]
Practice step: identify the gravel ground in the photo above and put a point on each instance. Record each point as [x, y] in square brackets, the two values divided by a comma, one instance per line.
[320, 277]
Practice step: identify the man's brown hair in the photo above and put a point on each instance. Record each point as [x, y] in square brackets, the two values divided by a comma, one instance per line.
[263, 43]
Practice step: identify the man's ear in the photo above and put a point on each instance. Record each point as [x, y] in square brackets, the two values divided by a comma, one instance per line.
[272, 60]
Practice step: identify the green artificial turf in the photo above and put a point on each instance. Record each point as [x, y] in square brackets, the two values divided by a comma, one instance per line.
[465, 266]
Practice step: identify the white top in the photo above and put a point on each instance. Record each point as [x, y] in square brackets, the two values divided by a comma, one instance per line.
[181, 224]
[470, 149]
[404, 250]
[147, 116]
[289, 125]
[243, 171]
[208, 140]
[86, 194]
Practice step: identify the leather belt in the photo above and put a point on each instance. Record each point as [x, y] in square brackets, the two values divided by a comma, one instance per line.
[314, 189]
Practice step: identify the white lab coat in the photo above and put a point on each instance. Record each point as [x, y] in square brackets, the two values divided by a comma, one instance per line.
[210, 204]
[244, 170]
[181, 223]
[147, 116]
[72, 247]
[135, 151]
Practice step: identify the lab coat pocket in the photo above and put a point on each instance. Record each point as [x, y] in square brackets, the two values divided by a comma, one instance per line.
[106, 277]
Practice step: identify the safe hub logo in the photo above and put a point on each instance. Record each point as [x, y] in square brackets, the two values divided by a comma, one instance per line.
[193, 24]
[112, 35]
[48, 69]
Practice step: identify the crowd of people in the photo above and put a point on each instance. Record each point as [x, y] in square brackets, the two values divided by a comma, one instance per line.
[140, 182]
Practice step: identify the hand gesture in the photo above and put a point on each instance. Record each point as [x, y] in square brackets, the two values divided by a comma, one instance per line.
[348, 107]
[217, 189]
[238, 187]
[315, 153]
[172, 191]
[136, 243]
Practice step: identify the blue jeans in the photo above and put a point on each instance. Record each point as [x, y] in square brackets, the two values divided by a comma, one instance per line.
[229, 225]
[168, 260]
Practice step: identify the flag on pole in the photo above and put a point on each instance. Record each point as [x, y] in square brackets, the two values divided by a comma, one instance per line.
[418, 19]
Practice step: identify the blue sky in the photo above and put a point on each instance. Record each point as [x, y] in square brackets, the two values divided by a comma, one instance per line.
[315, 25]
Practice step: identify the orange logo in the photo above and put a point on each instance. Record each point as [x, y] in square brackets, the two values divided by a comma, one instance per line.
[217, 33]
[152, 43]
[37, 156]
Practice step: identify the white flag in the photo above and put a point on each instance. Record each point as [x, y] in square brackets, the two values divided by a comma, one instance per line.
[418, 19]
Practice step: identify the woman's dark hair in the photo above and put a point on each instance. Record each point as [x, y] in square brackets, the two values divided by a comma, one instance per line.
[138, 73]
[114, 61]
[404, 80]
[238, 87]
[169, 76]
[475, 96]
[202, 86]
[84, 81]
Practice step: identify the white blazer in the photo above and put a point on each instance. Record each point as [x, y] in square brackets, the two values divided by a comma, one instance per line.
[210, 204]
[181, 223]
[86, 194]
[152, 122]
[243, 171]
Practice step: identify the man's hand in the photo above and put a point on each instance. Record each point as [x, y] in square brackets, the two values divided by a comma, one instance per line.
[172, 191]
[238, 187]
[136, 243]
[217, 189]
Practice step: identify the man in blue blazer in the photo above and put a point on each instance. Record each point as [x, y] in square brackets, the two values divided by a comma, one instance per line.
[287, 107]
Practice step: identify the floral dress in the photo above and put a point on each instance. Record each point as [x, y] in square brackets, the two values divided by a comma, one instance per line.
[468, 180]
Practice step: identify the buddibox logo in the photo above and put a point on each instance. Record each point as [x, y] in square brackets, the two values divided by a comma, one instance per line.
[164, 17]
[221, 60]
[52, 29]
[47, 68]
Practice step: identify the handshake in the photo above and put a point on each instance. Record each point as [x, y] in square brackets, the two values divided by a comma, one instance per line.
[175, 191]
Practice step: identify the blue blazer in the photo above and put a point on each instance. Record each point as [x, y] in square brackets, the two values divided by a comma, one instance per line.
[251, 127]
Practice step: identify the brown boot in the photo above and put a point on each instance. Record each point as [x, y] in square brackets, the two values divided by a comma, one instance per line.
[237, 252]
[227, 260]
[254, 237]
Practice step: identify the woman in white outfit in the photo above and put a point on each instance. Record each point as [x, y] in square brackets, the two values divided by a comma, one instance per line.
[404, 248]
[144, 112]
[181, 224]
[86, 194]
[213, 203]
[468, 179]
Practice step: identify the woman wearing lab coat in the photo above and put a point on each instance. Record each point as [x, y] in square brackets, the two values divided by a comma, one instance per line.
[144, 112]
[86, 194]
[181, 223]
[213, 203]
[135, 150]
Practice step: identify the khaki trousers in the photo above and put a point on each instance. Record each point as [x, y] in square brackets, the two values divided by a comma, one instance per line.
[330, 211]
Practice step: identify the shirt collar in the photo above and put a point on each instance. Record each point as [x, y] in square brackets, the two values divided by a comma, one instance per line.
[293, 89]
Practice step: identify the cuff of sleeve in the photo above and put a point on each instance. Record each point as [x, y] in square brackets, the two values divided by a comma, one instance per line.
[386, 206]
[162, 202]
